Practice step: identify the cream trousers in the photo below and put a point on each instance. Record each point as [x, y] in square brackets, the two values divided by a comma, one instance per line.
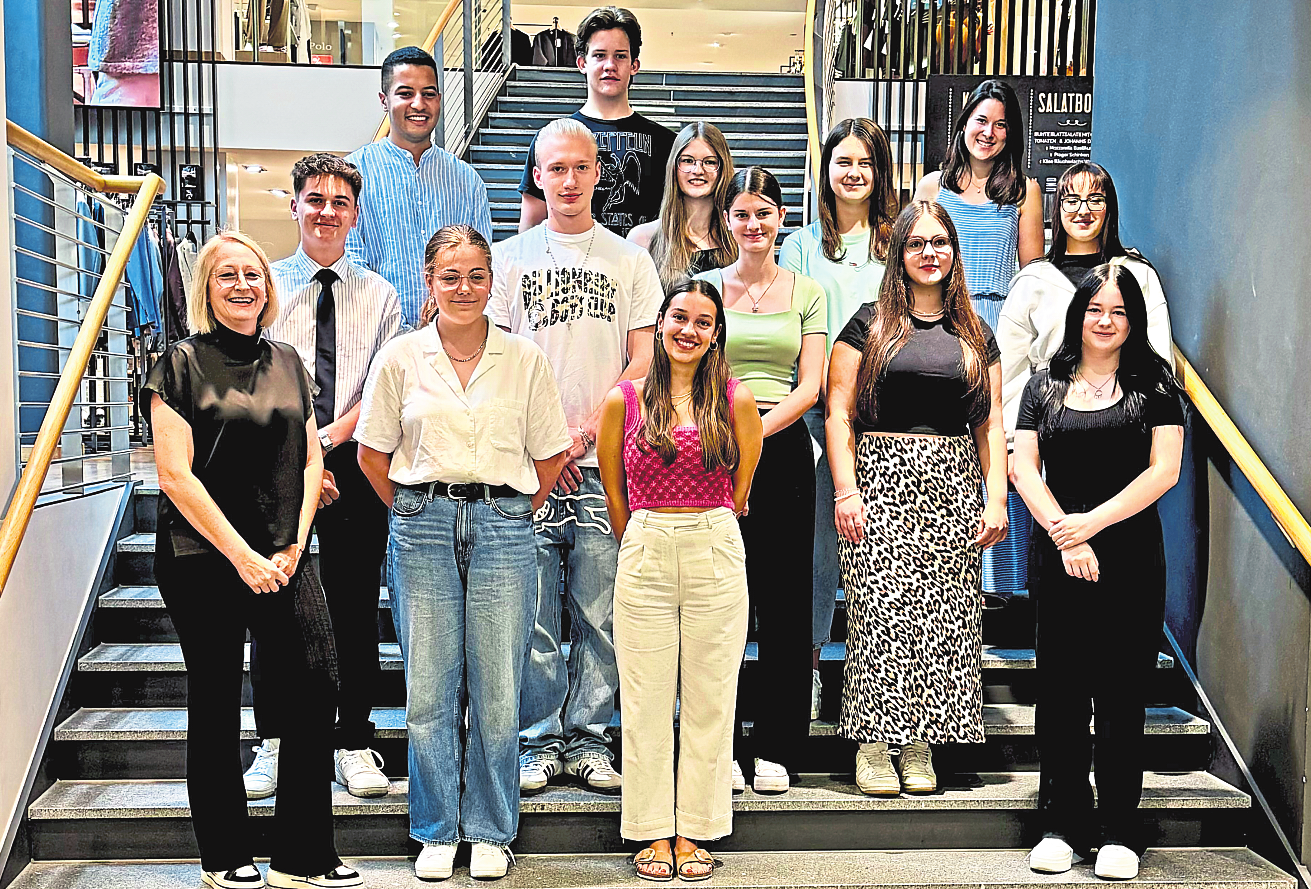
[680, 630]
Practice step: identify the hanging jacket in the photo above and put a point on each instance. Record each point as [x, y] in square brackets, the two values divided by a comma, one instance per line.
[554, 48]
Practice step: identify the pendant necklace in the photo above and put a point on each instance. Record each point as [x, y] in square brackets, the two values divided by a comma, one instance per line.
[927, 316]
[555, 287]
[755, 300]
[1097, 389]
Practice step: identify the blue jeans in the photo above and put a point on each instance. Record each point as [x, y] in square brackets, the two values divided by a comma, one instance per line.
[825, 576]
[461, 598]
[565, 709]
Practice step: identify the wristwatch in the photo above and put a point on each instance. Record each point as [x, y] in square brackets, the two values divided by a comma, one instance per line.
[326, 440]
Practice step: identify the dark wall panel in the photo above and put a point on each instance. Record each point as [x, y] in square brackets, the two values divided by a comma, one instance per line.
[1202, 113]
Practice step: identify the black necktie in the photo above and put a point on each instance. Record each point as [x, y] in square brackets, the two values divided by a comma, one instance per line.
[325, 350]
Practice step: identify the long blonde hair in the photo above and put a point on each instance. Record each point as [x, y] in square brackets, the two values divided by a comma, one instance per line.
[671, 248]
[200, 314]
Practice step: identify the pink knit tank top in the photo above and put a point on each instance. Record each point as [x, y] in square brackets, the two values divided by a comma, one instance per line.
[685, 482]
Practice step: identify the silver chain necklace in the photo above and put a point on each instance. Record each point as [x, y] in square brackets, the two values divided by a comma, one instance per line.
[475, 354]
[1097, 390]
[555, 265]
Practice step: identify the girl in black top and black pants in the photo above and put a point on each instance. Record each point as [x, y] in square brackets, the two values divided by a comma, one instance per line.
[1104, 422]
[240, 472]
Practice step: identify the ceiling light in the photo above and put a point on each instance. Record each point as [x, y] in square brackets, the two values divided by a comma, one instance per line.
[279, 192]
[716, 44]
[394, 25]
[254, 168]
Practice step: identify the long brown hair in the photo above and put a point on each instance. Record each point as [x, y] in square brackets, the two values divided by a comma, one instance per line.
[882, 200]
[446, 238]
[710, 406]
[891, 327]
[671, 248]
[1006, 183]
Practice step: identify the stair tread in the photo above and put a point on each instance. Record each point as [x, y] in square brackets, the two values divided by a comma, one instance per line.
[641, 102]
[144, 596]
[673, 118]
[523, 131]
[814, 793]
[1161, 869]
[170, 723]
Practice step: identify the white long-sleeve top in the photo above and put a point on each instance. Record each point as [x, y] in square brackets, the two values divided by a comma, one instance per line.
[1032, 324]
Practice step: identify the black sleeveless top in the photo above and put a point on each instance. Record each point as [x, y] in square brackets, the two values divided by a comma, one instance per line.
[247, 401]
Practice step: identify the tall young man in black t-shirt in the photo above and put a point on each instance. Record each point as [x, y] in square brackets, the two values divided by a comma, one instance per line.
[633, 151]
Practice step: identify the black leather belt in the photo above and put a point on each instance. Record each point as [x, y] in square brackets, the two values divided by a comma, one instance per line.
[470, 491]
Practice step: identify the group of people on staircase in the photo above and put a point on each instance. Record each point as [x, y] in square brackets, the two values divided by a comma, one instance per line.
[696, 441]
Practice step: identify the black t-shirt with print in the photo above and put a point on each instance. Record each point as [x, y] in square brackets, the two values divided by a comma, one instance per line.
[632, 156]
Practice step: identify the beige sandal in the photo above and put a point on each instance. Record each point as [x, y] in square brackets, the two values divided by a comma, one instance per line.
[648, 857]
[698, 856]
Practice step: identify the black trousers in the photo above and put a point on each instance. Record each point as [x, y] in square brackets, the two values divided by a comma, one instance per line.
[778, 535]
[1097, 646]
[352, 546]
[212, 609]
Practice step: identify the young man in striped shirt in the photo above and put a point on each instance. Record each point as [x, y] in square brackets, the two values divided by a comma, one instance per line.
[411, 187]
[337, 316]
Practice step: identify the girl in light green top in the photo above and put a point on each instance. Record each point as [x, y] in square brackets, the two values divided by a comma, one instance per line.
[775, 321]
[844, 250]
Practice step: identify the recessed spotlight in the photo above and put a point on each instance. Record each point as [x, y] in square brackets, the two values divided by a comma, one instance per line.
[394, 25]
[254, 168]
[725, 33]
[716, 44]
[279, 192]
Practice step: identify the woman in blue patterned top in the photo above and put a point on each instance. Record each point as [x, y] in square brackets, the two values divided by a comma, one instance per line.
[997, 211]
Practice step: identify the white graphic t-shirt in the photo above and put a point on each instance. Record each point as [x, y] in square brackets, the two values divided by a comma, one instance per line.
[578, 302]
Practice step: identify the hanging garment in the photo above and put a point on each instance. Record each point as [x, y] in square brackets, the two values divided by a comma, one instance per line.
[90, 236]
[145, 280]
[554, 48]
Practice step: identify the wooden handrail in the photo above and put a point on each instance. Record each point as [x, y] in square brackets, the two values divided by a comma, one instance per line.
[70, 378]
[1282, 509]
[429, 42]
[809, 72]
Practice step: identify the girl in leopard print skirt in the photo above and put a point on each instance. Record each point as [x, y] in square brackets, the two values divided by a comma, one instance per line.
[914, 426]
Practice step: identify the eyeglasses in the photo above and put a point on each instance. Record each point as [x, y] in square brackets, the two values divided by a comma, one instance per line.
[450, 281]
[940, 244]
[1072, 202]
[687, 163]
[227, 279]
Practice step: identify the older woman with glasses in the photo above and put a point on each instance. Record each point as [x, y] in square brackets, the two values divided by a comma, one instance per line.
[239, 473]
[462, 435]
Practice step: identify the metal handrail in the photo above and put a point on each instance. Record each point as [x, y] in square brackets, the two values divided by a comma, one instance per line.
[70, 378]
[809, 63]
[429, 42]
[1282, 509]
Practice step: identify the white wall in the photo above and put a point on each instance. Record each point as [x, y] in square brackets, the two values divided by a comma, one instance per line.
[297, 107]
[41, 615]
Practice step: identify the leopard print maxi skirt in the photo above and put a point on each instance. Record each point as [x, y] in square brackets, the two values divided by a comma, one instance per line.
[914, 607]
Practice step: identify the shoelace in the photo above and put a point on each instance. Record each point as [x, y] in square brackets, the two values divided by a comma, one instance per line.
[265, 761]
[589, 767]
[915, 757]
[366, 758]
[881, 765]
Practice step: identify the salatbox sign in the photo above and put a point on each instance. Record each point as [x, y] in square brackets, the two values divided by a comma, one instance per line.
[1057, 120]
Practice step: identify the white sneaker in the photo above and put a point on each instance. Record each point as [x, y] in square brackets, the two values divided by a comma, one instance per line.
[435, 862]
[536, 772]
[1052, 856]
[340, 876]
[770, 777]
[739, 780]
[1116, 862]
[597, 773]
[816, 687]
[360, 772]
[874, 772]
[261, 779]
[244, 877]
[488, 862]
[917, 775]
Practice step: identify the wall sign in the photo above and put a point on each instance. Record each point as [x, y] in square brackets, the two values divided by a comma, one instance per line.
[1057, 121]
[189, 175]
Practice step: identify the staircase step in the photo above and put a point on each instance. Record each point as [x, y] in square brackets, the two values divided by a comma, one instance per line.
[641, 95]
[737, 141]
[170, 723]
[673, 122]
[985, 869]
[506, 172]
[648, 77]
[507, 191]
[132, 657]
[503, 154]
[563, 106]
[148, 597]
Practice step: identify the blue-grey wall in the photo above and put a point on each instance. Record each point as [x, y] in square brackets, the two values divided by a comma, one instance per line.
[38, 60]
[1202, 113]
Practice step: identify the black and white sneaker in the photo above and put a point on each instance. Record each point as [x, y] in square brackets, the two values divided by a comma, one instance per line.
[596, 772]
[245, 877]
[341, 876]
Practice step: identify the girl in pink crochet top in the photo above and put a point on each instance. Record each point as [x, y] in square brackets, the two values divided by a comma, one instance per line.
[677, 452]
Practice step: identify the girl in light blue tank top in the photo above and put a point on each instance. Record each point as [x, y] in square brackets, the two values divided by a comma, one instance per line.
[986, 158]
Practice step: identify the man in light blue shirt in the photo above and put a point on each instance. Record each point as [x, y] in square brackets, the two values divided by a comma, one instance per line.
[411, 187]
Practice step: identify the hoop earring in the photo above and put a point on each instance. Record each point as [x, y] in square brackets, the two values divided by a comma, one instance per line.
[714, 344]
